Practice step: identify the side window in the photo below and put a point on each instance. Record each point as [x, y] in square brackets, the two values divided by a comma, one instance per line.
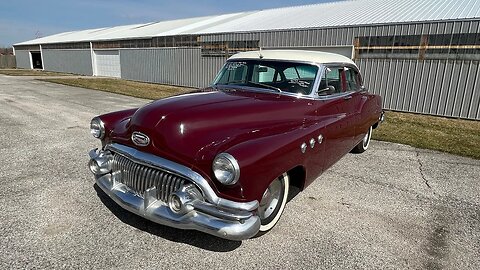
[360, 81]
[331, 82]
[352, 79]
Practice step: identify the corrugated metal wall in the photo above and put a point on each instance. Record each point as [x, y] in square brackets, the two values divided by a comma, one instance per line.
[174, 66]
[70, 61]
[438, 87]
[7, 61]
[23, 59]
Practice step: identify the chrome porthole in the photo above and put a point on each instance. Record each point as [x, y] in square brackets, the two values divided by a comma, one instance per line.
[320, 138]
[312, 143]
[303, 147]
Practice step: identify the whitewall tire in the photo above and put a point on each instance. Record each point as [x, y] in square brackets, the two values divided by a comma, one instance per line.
[273, 202]
[363, 145]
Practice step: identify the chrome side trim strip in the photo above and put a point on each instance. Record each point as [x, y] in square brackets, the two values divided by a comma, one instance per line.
[183, 171]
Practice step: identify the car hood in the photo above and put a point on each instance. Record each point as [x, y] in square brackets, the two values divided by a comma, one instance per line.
[193, 128]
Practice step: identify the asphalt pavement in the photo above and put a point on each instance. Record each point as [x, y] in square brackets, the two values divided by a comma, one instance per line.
[392, 207]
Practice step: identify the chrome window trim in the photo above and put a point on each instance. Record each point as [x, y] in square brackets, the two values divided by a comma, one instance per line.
[182, 171]
[336, 95]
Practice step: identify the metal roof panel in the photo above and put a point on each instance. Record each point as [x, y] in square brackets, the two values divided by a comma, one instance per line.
[333, 14]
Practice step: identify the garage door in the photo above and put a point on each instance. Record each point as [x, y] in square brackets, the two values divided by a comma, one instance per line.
[107, 63]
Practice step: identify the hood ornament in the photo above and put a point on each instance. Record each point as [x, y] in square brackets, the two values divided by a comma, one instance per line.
[140, 139]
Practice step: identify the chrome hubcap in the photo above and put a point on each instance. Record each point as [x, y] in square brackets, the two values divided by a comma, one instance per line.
[270, 199]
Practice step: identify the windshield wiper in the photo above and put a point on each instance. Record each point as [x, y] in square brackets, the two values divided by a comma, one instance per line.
[265, 85]
[253, 83]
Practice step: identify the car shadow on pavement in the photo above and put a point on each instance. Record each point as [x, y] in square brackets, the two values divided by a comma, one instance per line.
[190, 237]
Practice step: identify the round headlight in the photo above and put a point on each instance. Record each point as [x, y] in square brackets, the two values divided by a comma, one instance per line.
[226, 169]
[97, 128]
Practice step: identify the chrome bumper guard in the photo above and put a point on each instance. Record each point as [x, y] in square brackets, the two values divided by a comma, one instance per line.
[203, 212]
[382, 116]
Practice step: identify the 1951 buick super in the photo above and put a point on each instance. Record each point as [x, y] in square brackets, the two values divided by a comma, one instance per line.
[221, 160]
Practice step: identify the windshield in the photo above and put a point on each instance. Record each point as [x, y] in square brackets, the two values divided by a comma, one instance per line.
[278, 76]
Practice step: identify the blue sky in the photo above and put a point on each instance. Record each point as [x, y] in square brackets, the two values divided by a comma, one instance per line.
[23, 20]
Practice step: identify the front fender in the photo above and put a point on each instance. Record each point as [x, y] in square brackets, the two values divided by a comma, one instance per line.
[112, 120]
[264, 159]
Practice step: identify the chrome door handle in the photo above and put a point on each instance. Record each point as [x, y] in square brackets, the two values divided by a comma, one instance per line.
[347, 97]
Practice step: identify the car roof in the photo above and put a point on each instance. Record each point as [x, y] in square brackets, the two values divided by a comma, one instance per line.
[294, 55]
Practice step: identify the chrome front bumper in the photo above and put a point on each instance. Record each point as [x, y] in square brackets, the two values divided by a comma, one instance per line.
[209, 213]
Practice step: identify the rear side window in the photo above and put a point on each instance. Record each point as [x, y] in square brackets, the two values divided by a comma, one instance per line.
[353, 79]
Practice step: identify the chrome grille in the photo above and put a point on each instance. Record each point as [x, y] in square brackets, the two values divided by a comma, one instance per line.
[139, 177]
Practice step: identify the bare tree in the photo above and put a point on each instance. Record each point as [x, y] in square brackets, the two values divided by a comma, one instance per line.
[6, 50]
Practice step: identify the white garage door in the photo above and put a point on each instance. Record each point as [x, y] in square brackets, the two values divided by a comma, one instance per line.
[107, 63]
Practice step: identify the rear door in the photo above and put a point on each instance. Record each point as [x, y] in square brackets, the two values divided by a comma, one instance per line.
[359, 100]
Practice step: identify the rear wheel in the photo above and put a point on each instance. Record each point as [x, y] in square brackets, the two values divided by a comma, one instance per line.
[273, 202]
[363, 145]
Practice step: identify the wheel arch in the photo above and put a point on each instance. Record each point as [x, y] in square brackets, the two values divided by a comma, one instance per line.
[297, 177]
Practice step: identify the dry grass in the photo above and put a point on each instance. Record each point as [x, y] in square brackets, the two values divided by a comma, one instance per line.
[124, 87]
[31, 72]
[455, 136]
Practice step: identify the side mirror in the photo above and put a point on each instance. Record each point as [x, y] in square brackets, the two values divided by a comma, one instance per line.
[326, 91]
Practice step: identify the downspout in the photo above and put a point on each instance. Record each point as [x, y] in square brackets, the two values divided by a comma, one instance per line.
[92, 56]
[41, 57]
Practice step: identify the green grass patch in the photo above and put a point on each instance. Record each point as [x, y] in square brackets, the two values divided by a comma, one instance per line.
[455, 136]
[31, 72]
[124, 87]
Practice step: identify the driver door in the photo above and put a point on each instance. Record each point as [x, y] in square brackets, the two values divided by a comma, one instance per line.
[337, 110]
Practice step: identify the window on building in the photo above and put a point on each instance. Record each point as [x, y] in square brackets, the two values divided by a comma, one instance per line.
[228, 48]
[463, 46]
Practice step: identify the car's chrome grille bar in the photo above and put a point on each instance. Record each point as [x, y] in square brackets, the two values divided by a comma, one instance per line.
[140, 177]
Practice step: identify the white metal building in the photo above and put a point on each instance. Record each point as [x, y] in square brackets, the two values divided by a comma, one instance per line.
[420, 55]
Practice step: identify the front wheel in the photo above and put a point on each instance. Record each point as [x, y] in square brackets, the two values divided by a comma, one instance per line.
[273, 202]
[363, 145]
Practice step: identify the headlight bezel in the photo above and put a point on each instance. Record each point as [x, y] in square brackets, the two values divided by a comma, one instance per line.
[96, 124]
[232, 162]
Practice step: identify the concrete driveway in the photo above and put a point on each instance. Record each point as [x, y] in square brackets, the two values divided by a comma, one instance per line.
[393, 207]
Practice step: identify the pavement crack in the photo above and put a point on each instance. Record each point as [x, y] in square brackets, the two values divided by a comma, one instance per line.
[420, 168]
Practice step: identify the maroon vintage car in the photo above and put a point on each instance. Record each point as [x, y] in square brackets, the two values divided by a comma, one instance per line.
[221, 160]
